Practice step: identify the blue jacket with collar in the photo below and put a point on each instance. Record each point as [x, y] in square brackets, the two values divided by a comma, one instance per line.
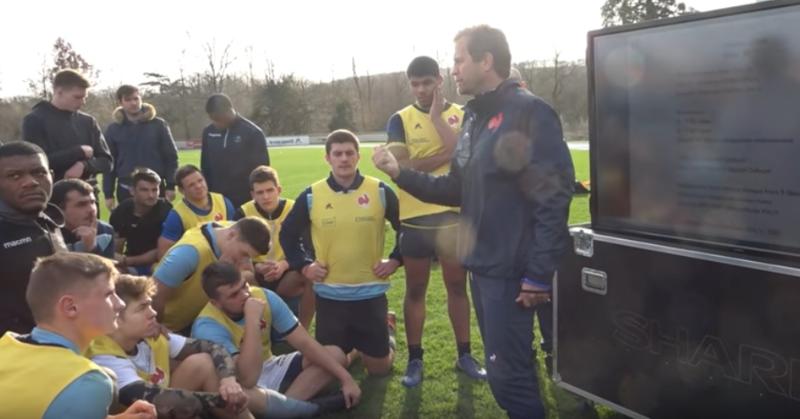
[512, 176]
[229, 155]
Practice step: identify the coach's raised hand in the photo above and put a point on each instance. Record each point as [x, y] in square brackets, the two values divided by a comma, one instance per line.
[385, 161]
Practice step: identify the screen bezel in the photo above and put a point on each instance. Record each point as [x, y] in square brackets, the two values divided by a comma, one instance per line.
[601, 224]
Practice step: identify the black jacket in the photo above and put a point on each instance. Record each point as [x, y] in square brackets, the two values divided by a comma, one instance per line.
[229, 155]
[61, 134]
[22, 240]
[146, 143]
[512, 175]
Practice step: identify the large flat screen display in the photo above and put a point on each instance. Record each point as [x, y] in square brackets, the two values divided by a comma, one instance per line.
[695, 129]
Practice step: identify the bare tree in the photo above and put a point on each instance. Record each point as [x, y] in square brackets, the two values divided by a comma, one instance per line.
[557, 76]
[218, 64]
[364, 87]
[63, 56]
[39, 85]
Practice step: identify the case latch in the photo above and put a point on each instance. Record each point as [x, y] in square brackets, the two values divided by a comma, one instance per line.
[584, 243]
[594, 281]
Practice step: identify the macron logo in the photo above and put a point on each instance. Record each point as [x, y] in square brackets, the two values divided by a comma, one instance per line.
[15, 243]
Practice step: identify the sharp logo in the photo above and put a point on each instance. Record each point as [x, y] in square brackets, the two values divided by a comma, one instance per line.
[746, 364]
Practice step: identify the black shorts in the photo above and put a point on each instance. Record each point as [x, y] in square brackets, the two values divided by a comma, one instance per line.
[430, 235]
[294, 370]
[352, 325]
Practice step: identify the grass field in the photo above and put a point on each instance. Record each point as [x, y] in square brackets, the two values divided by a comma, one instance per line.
[443, 393]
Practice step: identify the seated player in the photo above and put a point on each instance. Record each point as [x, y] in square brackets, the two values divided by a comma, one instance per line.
[82, 231]
[195, 377]
[43, 375]
[243, 319]
[137, 223]
[198, 206]
[179, 296]
[265, 189]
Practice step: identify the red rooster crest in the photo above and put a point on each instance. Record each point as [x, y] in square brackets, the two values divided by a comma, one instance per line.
[157, 377]
[495, 121]
[363, 201]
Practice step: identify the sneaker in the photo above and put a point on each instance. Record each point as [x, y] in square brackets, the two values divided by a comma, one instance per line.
[391, 323]
[329, 403]
[413, 375]
[469, 365]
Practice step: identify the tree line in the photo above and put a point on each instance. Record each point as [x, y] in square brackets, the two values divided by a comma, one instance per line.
[286, 104]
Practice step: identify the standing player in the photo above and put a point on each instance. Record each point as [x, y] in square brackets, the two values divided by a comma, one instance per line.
[423, 136]
[347, 214]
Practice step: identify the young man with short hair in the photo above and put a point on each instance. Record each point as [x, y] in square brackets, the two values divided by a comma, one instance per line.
[512, 175]
[198, 206]
[29, 227]
[346, 214]
[82, 231]
[180, 296]
[267, 203]
[174, 373]
[245, 319]
[137, 138]
[423, 136]
[232, 147]
[137, 223]
[43, 374]
[72, 140]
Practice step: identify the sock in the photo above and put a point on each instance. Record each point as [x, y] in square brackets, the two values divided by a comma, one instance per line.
[414, 352]
[463, 348]
[280, 406]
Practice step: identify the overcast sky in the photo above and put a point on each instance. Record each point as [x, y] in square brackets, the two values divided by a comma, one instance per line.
[313, 39]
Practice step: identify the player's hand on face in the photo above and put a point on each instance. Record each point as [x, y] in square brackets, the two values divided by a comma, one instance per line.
[161, 331]
[437, 106]
[315, 271]
[385, 268]
[87, 235]
[254, 308]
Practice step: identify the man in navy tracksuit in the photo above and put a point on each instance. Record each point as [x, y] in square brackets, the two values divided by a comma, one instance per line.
[232, 148]
[512, 176]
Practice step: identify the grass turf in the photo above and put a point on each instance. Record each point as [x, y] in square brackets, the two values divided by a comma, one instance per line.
[443, 392]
